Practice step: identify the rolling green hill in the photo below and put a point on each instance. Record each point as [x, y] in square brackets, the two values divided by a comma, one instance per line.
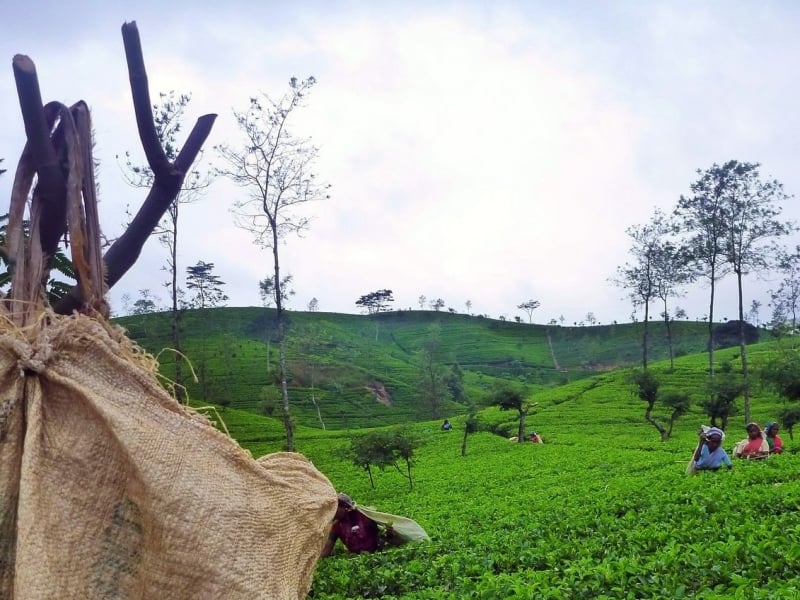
[349, 371]
[602, 510]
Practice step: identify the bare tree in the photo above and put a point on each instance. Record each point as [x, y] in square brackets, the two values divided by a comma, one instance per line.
[167, 117]
[275, 168]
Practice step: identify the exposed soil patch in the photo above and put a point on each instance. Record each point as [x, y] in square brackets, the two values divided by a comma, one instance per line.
[381, 395]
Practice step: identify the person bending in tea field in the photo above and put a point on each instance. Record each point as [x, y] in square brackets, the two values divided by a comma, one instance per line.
[709, 455]
[755, 446]
[364, 529]
[358, 532]
[773, 439]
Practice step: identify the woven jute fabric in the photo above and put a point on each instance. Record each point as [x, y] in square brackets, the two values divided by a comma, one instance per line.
[111, 489]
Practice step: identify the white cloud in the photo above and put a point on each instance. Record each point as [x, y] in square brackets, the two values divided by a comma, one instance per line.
[492, 153]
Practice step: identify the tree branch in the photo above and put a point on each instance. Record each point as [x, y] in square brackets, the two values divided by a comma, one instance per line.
[156, 157]
[51, 185]
[168, 177]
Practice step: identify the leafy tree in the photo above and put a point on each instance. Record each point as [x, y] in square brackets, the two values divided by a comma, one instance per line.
[437, 304]
[455, 383]
[422, 300]
[376, 302]
[641, 278]
[722, 394]
[2, 170]
[752, 230]
[529, 306]
[786, 299]
[266, 289]
[679, 404]
[206, 285]
[673, 269]
[783, 374]
[168, 119]
[753, 313]
[789, 417]
[470, 426]
[508, 398]
[145, 304]
[703, 218]
[468, 304]
[647, 385]
[313, 305]
[208, 293]
[276, 169]
[432, 386]
[384, 449]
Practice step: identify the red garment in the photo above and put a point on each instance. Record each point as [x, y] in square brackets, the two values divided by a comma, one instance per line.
[752, 446]
[357, 532]
[776, 445]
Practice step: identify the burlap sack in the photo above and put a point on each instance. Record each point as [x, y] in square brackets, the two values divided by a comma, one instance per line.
[110, 489]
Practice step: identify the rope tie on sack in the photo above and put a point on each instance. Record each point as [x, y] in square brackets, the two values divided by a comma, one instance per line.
[32, 357]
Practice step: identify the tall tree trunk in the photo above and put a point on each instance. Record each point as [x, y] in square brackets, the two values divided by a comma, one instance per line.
[464, 441]
[521, 430]
[645, 334]
[668, 325]
[743, 350]
[281, 326]
[180, 392]
[648, 416]
[711, 326]
[314, 400]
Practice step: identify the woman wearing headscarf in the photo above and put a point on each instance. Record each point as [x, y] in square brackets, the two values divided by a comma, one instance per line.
[358, 532]
[709, 455]
[364, 529]
[773, 439]
[755, 446]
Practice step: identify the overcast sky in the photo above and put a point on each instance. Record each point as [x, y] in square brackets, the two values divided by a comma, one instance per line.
[485, 151]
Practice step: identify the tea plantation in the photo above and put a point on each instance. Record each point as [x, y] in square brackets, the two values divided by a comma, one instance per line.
[602, 510]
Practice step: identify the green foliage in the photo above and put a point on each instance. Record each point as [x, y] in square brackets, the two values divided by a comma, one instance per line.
[206, 285]
[647, 385]
[376, 302]
[726, 335]
[382, 449]
[783, 373]
[368, 383]
[726, 387]
[58, 286]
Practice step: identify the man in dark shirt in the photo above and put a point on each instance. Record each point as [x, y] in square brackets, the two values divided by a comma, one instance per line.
[358, 532]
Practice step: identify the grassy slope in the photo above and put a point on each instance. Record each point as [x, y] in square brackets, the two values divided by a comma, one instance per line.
[601, 510]
[341, 356]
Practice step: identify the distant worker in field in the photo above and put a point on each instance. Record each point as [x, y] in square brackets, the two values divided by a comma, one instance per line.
[773, 439]
[446, 426]
[709, 455]
[364, 529]
[755, 446]
[536, 438]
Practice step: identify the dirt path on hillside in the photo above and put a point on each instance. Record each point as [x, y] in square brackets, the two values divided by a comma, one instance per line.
[552, 352]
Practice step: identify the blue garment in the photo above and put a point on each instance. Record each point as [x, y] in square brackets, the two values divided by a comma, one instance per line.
[712, 460]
